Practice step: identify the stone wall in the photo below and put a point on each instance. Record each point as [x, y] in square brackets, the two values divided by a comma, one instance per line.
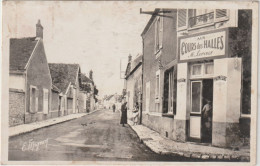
[54, 101]
[16, 107]
[163, 125]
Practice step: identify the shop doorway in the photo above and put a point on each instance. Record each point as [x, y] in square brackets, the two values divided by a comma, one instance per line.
[201, 110]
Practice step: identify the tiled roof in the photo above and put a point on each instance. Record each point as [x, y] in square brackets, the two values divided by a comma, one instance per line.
[20, 52]
[63, 74]
[109, 97]
[132, 65]
[54, 88]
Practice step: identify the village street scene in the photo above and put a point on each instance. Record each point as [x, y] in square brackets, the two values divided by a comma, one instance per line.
[155, 84]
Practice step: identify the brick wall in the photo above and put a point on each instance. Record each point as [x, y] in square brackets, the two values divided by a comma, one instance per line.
[16, 107]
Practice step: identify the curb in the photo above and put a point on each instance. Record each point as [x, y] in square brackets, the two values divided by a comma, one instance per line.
[195, 155]
[37, 128]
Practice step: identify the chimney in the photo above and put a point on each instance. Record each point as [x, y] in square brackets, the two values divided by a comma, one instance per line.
[129, 58]
[39, 30]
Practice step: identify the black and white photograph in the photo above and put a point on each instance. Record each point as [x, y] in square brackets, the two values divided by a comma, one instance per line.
[129, 82]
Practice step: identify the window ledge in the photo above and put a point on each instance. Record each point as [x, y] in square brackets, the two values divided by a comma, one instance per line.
[170, 115]
[245, 116]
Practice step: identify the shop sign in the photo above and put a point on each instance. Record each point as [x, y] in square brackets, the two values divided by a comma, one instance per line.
[203, 46]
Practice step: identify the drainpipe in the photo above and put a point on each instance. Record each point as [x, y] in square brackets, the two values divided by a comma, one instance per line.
[142, 75]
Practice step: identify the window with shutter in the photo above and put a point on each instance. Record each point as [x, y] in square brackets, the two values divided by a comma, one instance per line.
[45, 101]
[33, 99]
[182, 19]
[157, 85]
[158, 34]
[221, 14]
[36, 100]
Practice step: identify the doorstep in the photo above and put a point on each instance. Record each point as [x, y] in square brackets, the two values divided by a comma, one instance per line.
[165, 146]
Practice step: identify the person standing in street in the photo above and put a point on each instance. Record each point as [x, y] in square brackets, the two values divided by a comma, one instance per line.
[123, 119]
[114, 107]
[136, 113]
[207, 121]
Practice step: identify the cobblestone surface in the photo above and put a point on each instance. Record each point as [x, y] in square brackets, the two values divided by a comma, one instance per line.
[162, 145]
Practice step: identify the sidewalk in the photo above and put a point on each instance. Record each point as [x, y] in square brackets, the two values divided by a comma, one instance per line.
[24, 128]
[165, 146]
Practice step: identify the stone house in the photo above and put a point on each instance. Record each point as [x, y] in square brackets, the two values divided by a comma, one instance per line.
[87, 87]
[66, 77]
[30, 82]
[133, 84]
[159, 68]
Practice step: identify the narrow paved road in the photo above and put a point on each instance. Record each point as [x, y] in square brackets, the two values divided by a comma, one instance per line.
[95, 137]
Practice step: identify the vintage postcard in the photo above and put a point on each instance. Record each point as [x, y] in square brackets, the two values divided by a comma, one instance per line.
[129, 82]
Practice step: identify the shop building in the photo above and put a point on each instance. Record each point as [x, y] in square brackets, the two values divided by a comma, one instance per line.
[214, 66]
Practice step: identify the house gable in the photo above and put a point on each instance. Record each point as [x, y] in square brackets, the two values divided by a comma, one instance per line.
[38, 75]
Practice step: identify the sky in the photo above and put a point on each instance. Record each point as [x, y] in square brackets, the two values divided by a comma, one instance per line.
[96, 35]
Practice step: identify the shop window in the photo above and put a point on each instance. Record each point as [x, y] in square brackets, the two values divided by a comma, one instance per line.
[170, 93]
[158, 35]
[196, 70]
[202, 70]
[209, 68]
[33, 99]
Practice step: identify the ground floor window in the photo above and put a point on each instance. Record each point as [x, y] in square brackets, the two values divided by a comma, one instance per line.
[170, 91]
[33, 99]
[45, 101]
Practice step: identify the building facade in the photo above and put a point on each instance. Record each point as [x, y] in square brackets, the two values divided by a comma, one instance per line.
[159, 71]
[133, 84]
[66, 77]
[214, 64]
[30, 82]
[197, 60]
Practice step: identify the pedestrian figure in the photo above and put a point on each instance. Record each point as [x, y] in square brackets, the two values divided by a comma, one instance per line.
[136, 113]
[114, 107]
[207, 121]
[123, 119]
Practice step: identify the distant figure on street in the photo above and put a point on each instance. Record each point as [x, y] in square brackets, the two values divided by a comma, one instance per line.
[123, 119]
[136, 113]
[207, 121]
[114, 107]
